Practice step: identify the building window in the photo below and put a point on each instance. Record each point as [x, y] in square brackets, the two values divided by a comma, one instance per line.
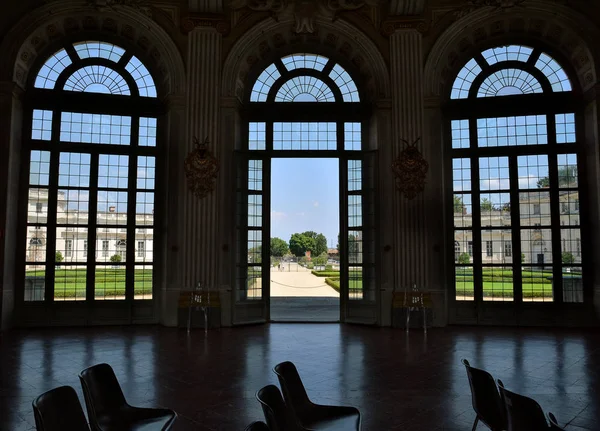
[456, 250]
[470, 248]
[515, 158]
[92, 142]
[141, 252]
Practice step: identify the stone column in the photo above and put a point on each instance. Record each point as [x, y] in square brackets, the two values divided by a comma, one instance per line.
[414, 220]
[198, 248]
[10, 140]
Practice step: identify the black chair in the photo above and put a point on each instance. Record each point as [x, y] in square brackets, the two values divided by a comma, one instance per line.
[257, 426]
[277, 415]
[58, 410]
[306, 413]
[525, 414]
[108, 410]
[485, 399]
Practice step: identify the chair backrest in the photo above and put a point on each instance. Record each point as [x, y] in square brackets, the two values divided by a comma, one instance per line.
[292, 387]
[102, 392]
[485, 397]
[257, 426]
[523, 413]
[59, 409]
[274, 408]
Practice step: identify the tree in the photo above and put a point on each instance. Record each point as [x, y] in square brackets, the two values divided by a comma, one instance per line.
[486, 205]
[459, 206]
[320, 259]
[567, 258]
[320, 245]
[464, 258]
[567, 177]
[115, 258]
[59, 257]
[522, 257]
[255, 254]
[279, 247]
[300, 244]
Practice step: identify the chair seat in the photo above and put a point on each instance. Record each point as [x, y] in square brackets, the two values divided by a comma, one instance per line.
[138, 419]
[332, 418]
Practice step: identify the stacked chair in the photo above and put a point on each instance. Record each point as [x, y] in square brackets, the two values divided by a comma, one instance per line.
[500, 409]
[60, 410]
[294, 411]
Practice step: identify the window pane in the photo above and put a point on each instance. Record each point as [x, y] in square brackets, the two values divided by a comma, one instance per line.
[572, 280]
[464, 80]
[70, 283]
[255, 175]
[533, 172]
[39, 168]
[254, 246]
[497, 284]
[36, 245]
[463, 210]
[464, 283]
[146, 172]
[254, 283]
[509, 82]
[568, 174]
[110, 282]
[536, 247]
[113, 171]
[74, 170]
[97, 49]
[354, 175]
[460, 134]
[512, 131]
[535, 209]
[144, 209]
[537, 284]
[354, 211]
[112, 208]
[355, 283]
[496, 246]
[304, 61]
[507, 53]
[143, 282]
[304, 89]
[72, 206]
[565, 128]
[304, 136]
[37, 208]
[493, 173]
[263, 83]
[570, 246]
[255, 210]
[352, 137]
[97, 79]
[142, 77]
[355, 247]
[147, 136]
[71, 243]
[41, 127]
[111, 245]
[51, 69]
[345, 84]
[495, 209]
[35, 283]
[554, 72]
[144, 245]
[463, 247]
[569, 208]
[257, 136]
[95, 128]
[461, 174]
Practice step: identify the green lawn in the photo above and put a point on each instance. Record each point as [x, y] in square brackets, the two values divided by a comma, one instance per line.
[70, 283]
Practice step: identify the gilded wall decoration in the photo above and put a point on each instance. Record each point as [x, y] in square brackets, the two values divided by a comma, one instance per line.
[304, 12]
[201, 169]
[410, 170]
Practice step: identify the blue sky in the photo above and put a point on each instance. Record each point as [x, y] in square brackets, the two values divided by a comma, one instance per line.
[305, 196]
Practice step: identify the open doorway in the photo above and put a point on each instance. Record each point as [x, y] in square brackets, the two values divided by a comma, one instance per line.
[304, 243]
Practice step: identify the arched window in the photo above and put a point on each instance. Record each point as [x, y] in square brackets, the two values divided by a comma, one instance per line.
[515, 174]
[91, 167]
[305, 105]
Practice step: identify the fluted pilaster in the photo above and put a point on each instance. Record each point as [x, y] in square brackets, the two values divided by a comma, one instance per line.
[199, 250]
[410, 224]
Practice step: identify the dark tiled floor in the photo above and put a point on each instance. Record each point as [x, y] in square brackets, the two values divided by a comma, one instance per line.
[399, 382]
[305, 309]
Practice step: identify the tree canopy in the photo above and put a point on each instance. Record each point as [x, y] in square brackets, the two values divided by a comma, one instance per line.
[567, 177]
[278, 247]
[311, 241]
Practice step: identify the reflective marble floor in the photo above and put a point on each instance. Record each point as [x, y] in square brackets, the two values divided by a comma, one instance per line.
[399, 382]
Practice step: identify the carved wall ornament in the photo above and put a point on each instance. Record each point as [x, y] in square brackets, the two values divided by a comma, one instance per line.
[410, 170]
[473, 5]
[304, 12]
[140, 5]
[201, 169]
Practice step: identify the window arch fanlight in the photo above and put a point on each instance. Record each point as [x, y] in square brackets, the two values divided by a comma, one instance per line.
[514, 171]
[91, 161]
[98, 78]
[305, 78]
[510, 70]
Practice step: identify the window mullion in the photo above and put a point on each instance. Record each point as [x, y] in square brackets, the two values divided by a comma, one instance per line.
[92, 230]
[476, 217]
[51, 222]
[515, 222]
[131, 213]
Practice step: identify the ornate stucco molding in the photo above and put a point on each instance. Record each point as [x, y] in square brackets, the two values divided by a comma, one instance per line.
[201, 169]
[391, 25]
[304, 12]
[473, 5]
[217, 21]
[410, 170]
[104, 5]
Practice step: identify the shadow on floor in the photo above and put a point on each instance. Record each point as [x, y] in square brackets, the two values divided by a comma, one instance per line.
[305, 309]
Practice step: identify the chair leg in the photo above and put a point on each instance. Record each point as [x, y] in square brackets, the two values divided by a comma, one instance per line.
[475, 424]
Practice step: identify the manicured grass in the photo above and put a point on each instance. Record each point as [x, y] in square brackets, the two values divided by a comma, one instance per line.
[71, 283]
[334, 282]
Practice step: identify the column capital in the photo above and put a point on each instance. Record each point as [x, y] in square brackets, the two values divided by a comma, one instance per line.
[399, 24]
[218, 22]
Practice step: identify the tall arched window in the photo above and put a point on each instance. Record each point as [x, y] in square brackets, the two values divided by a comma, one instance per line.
[515, 176]
[91, 167]
[305, 105]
